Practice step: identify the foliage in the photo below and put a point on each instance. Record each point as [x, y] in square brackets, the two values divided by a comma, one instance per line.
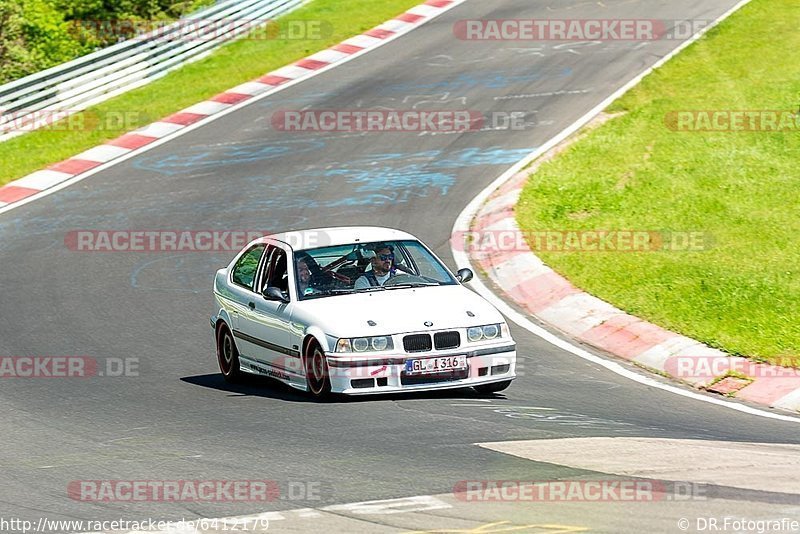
[37, 34]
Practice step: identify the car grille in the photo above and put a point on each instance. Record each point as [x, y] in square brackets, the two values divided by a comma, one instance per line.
[446, 340]
[411, 380]
[417, 343]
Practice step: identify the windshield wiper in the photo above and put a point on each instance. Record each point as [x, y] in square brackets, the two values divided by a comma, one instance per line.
[412, 284]
[326, 293]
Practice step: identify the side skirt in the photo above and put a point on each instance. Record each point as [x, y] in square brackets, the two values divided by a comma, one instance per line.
[287, 376]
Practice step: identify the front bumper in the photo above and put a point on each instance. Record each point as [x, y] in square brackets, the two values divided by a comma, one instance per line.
[386, 374]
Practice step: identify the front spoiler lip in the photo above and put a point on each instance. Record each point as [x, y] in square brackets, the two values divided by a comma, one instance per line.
[334, 360]
[390, 390]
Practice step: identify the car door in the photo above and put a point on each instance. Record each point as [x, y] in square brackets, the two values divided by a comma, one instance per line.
[243, 283]
[269, 320]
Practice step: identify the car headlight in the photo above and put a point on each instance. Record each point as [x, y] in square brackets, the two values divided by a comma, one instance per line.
[491, 331]
[487, 332]
[360, 344]
[363, 344]
[475, 333]
[379, 343]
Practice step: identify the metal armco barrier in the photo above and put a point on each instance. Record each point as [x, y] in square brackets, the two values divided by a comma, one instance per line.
[52, 94]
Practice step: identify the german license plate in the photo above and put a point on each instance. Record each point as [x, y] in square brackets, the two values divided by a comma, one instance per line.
[436, 365]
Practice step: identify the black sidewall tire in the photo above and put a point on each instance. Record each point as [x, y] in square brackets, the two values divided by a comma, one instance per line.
[314, 357]
[228, 355]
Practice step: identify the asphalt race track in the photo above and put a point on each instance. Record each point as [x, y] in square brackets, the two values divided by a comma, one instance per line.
[178, 420]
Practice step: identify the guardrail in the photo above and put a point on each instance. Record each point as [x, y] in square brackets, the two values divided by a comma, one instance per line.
[53, 94]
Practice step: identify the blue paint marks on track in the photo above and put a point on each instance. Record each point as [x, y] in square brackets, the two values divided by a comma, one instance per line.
[209, 157]
[483, 80]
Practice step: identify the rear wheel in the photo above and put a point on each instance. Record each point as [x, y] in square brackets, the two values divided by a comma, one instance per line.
[228, 355]
[317, 376]
[486, 389]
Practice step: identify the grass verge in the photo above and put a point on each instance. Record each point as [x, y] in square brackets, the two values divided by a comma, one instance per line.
[235, 63]
[738, 190]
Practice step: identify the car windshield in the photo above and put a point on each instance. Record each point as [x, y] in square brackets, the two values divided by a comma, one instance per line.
[362, 267]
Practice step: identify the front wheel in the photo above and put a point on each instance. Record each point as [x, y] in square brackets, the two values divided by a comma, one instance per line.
[228, 355]
[317, 376]
[486, 389]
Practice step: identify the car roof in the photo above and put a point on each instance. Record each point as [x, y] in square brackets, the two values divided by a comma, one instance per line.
[340, 235]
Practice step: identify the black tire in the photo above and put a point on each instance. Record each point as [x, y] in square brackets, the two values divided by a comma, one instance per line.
[228, 355]
[486, 389]
[317, 374]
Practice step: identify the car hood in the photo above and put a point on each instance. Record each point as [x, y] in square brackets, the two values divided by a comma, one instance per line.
[396, 311]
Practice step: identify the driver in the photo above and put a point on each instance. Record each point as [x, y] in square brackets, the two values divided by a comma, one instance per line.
[304, 274]
[382, 261]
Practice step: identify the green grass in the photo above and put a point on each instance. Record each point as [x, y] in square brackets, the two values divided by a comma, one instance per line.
[229, 66]
[741, 190]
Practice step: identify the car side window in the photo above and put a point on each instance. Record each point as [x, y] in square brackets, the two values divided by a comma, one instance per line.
[278, 274]
[244, 272]
[263, 273]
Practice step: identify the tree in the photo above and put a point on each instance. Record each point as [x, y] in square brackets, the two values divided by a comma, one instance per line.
[33, 37]
[37, 34]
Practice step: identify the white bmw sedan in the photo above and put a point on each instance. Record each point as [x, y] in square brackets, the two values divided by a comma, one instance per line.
[356, 310]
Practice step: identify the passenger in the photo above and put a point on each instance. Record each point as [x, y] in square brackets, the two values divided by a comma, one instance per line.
[304, 275]
[383, 268]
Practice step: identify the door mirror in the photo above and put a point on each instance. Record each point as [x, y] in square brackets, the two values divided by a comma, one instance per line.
[273, 293]
[464, 275]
